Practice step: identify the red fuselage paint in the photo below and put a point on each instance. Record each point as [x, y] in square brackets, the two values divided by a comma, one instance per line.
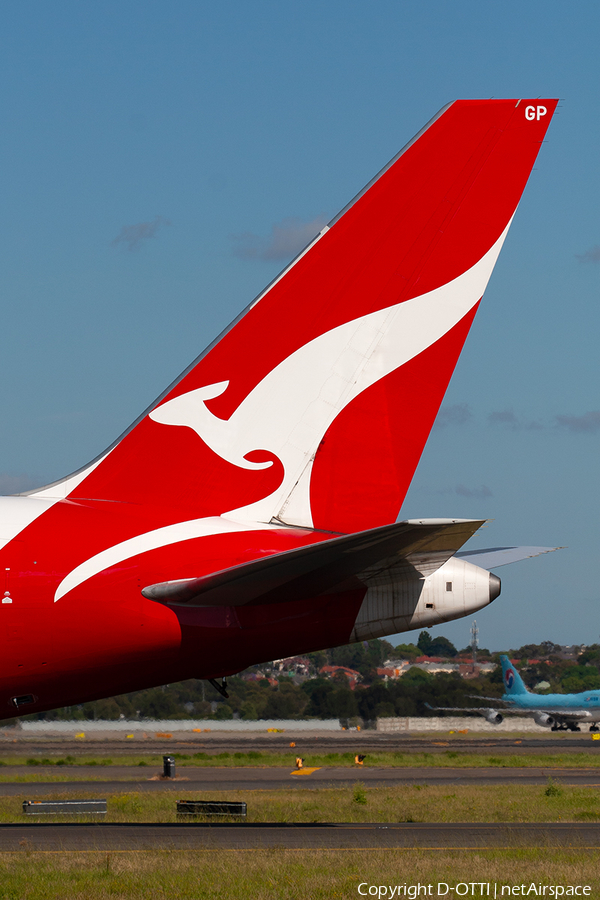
[104, 637]
[250, 435]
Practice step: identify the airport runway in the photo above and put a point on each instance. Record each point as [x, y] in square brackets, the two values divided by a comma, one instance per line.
[13, 744]
[222, 836]
[118, 779]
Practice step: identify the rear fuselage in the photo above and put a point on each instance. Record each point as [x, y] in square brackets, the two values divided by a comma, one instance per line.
[304, 421]
[77, 627]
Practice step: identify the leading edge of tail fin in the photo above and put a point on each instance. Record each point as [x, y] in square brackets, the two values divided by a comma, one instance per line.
[513, 683]
[313, 408]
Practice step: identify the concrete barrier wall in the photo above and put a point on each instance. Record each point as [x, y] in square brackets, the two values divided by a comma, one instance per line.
[438, 724]
[176, 725]
[457, 723]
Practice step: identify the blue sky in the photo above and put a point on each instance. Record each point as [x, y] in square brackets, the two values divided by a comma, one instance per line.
[160, 161]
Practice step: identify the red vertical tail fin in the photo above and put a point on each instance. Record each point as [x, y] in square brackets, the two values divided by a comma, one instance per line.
[314, 407]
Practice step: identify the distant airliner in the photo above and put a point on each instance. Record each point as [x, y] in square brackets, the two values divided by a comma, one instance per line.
[560, 712]
[250, 512]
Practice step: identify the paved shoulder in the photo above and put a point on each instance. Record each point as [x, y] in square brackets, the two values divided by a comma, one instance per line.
[40, 836]
[284, 778]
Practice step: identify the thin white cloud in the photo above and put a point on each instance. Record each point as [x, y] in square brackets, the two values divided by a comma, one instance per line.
[459, 414]
[508, 419]
[132, 236]
[286, 240]
[477, 493]
[503, 417]
[590, 256]
[588, 423]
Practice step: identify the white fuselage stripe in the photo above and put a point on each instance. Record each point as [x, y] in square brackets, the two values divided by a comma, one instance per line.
[151, 540]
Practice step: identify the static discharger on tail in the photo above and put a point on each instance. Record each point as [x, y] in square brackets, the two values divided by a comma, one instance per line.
[250, 513]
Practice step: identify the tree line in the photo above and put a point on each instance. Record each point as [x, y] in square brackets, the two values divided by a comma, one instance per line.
[281, 696]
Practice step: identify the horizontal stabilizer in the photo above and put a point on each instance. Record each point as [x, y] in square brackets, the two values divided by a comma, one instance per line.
[424, 545]
[493, 557]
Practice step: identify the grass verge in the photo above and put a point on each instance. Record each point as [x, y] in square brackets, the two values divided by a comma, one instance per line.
[254, 758]
[401, 803]
[279, 874]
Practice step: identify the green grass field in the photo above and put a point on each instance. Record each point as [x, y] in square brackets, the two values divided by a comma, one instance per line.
[311, 874]
[439, 758]
[278, 874]
[401, 803]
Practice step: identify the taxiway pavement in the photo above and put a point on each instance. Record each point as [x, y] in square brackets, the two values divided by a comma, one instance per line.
[49, 837]
[14, 743]
[117, 779]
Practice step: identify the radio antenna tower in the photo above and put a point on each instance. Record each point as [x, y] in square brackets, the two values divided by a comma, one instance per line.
[474, 641]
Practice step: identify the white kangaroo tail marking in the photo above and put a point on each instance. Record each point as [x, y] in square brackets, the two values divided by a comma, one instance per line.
[289, 411]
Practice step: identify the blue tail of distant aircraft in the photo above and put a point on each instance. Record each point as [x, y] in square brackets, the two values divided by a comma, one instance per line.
[513, 683]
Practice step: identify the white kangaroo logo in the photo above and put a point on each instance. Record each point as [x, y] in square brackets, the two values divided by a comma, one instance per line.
[289, 411]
